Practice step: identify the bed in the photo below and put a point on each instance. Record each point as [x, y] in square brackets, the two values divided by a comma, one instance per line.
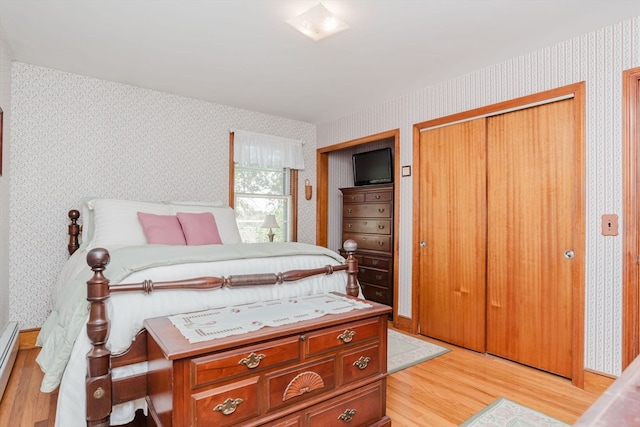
[126, 265]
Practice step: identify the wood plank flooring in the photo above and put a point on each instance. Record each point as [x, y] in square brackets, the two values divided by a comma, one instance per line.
[444, 391]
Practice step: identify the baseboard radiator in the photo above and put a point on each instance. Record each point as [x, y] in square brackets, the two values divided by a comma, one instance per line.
[9, 344]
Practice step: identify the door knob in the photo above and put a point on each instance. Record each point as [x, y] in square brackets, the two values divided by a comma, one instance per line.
[423, 244]
[569, 254]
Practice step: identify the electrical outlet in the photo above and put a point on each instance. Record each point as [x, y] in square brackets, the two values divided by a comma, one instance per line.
[609, 225]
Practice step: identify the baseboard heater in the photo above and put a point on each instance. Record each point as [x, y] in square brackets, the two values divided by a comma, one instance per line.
[9, 344]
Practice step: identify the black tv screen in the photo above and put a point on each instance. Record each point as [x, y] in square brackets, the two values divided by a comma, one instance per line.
[373, 167]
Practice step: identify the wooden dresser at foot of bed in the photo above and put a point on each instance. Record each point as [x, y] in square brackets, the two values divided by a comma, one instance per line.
[329, 371]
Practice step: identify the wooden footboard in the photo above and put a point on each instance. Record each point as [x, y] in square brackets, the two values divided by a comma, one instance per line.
[102, 390]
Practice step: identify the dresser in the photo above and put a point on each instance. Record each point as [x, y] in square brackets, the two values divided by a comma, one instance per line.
[329, 371]
[367, 218]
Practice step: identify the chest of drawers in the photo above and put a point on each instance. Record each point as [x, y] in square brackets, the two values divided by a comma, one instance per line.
[329, 371]
[367, 218]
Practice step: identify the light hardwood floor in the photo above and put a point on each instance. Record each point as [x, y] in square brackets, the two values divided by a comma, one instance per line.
[444, 391]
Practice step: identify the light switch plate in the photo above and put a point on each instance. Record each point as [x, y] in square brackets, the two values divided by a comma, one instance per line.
[609, 225]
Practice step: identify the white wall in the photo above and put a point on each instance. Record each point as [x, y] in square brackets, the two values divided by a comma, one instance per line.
[598, 58]
[5, 104]
[75, 136]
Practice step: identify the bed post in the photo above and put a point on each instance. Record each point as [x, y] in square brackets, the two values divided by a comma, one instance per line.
[98, 379]
[353, 288]
[74, 231]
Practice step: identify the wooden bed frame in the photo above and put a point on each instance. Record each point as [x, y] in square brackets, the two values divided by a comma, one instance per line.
[101, 390]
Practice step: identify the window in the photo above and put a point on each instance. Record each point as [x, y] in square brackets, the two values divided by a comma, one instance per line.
[264, 181]
[260, 191]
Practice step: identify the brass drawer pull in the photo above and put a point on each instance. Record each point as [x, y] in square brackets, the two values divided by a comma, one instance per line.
[378, 276]
[380, 243]
[362, 362]
[347, 415]
[252, 361]
[380, 227]
[377, 196]
[381, 210]
[349, 210]
[229, 406]
[379, 294]
[374, 262]
[349, 225]
[347, 336]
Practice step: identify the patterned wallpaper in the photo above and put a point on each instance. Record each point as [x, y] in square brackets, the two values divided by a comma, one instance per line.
[75, 136]
[598, 58]
[5, 104]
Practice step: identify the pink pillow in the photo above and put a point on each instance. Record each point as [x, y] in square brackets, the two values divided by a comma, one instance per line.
[162, 229]
[199, 228]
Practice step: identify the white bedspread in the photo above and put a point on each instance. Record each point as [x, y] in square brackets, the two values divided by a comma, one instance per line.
[127, 311]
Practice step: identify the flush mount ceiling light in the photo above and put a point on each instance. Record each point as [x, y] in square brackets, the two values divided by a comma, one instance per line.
[317, 23]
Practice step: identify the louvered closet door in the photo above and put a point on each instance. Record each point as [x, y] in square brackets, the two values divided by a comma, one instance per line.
[531, 209]
[452, 221]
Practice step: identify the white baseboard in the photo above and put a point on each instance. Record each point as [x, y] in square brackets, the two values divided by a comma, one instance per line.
[9, 344]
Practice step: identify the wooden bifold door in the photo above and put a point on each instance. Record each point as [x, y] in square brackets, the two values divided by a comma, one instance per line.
[497, 213]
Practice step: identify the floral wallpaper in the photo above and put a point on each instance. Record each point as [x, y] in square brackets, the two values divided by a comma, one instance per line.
[5, 104]
[74, 136]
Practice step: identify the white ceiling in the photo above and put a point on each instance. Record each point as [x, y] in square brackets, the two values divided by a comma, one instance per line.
[242, 53]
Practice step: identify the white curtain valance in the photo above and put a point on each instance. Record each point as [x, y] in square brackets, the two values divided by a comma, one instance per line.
[267, 150]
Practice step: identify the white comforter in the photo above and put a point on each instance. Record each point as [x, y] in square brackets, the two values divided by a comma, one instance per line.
[127, 311]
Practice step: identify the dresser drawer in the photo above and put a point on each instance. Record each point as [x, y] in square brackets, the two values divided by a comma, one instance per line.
[226, 405]
[360, 363]
[361, 407]
[375, 262]
[379, 196]
[334, 338]
[370, 241]
[224, 366]
[367, 226]
[371, 210]
[299, 383]
[353, 198]
[376, 293]
[374, 276]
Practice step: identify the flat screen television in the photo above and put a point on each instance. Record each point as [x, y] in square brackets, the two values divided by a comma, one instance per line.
[373, 167]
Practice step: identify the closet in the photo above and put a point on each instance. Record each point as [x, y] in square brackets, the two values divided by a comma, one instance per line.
[496, 217]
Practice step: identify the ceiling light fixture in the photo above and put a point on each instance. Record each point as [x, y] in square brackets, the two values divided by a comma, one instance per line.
[317, 23]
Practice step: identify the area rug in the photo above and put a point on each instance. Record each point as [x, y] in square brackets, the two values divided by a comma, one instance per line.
[404, 351]
[504, 412]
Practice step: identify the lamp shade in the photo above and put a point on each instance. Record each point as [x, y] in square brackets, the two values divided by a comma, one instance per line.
[270, 222]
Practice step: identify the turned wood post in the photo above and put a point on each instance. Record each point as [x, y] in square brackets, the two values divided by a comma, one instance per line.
[98, 379]
[74, 231]
[353, 288]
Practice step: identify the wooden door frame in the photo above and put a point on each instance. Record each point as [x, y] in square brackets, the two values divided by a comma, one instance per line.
[631, 211]
[322, 195]
[577, 91]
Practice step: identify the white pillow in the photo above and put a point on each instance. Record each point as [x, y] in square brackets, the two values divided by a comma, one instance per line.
[225, 219]
[116, 223]
[86, 219]
[215, 203]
